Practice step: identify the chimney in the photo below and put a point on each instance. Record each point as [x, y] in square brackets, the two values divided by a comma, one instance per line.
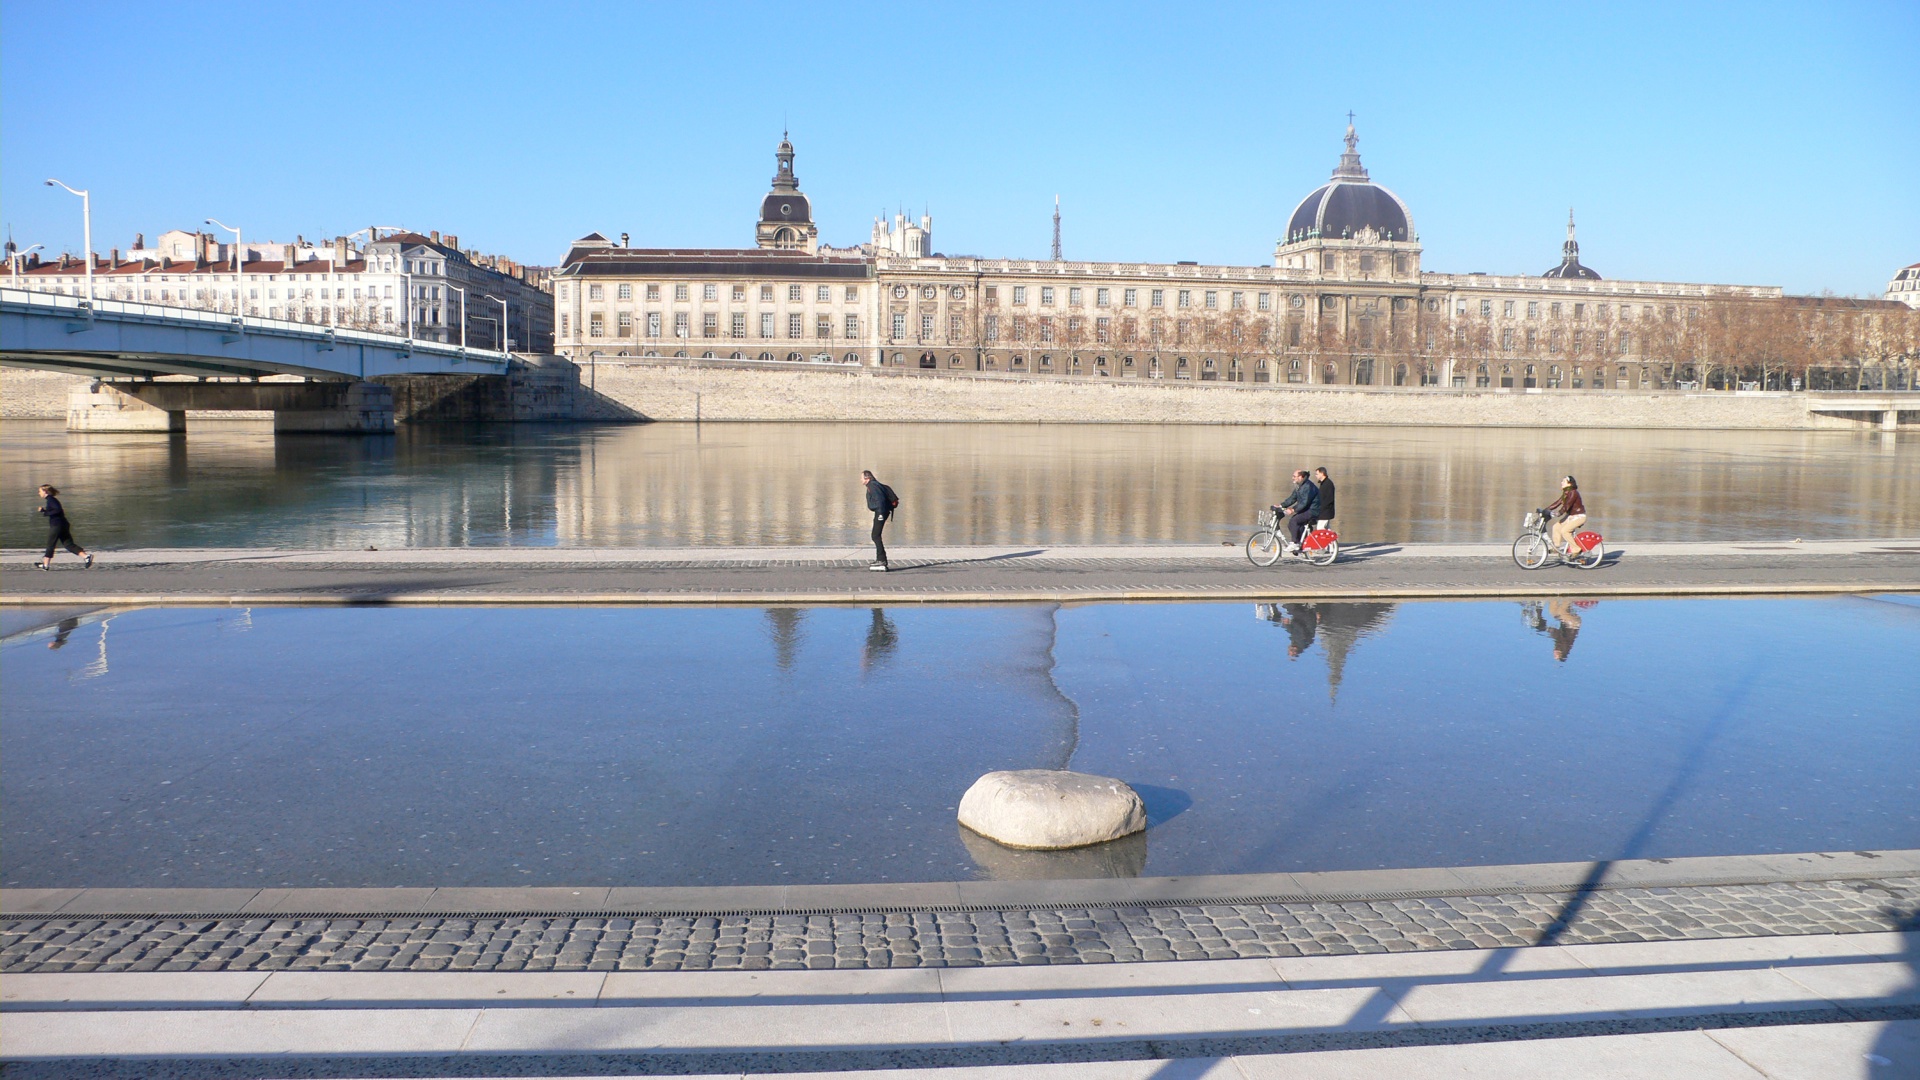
[113, 259]
[453, 242]
[434, 236]
[288, 255]
[139, 241]
[199, 247]
[623, 239]
[339, 251]
[33, 259]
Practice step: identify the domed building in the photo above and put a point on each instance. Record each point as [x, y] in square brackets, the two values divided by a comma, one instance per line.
[1570, 268]
[1352, 227]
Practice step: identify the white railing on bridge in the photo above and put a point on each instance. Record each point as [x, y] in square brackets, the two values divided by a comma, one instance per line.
[133, 310]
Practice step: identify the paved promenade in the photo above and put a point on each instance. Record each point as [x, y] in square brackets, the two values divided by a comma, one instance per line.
[1764, 966]
[979, 574]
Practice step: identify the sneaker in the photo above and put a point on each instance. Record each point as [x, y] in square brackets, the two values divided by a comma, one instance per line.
[87, 564]
[43, 566]
[879, 566]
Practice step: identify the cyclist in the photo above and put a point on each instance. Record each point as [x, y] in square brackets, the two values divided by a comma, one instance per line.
[1571, 512]
[1299, 508]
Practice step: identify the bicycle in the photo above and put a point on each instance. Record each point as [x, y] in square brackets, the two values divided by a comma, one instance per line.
[1267, 546]
[1535, 544]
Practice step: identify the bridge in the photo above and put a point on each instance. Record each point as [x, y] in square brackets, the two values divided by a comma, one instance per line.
[126, 347]
[1884, 407]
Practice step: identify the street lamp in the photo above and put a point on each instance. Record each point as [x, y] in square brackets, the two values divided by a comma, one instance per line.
[505, 344]
[239, 254]
[86, 235]
[13, 262]
[463, 312]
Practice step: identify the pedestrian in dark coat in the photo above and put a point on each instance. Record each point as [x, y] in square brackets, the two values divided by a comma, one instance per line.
[882, 501]
[59, 532]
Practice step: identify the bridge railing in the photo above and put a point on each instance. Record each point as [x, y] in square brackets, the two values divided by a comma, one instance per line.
[133, 310]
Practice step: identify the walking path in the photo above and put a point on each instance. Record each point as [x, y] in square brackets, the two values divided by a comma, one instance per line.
[958, 574]
[1762, 966]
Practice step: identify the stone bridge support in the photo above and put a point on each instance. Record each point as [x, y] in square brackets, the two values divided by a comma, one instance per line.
[344, 408]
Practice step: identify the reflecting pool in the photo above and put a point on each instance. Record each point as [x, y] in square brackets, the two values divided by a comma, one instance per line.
[233, 484]
[635, 746]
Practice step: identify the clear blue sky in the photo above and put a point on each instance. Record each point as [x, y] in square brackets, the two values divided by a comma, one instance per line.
[1770, 144]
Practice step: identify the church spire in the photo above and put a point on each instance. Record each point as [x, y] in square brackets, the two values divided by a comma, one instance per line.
[1350, 167]
[1570, 249]
[783, 178]
[1056, 228]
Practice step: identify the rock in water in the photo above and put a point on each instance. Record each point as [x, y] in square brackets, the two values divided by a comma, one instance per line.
[1051, 808]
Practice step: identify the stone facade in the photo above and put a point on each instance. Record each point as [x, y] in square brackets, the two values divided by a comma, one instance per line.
[1346, 302]
[426, 281]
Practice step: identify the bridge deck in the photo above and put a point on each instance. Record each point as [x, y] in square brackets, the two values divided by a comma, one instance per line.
[124, 339]
[943, 575]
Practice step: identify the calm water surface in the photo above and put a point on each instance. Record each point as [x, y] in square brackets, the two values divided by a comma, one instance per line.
[596, 746]
[234, 484]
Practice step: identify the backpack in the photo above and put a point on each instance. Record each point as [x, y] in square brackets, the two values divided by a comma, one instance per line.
[889, 499]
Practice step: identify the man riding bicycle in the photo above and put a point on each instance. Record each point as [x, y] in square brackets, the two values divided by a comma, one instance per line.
[1300, 508]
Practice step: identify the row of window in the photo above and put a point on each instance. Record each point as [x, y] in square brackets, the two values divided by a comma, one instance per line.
[624, 325]
[1130, 297]
[1510, 309]
[711, 291]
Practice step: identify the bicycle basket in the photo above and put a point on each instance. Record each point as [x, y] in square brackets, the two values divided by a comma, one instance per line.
[1267, 519]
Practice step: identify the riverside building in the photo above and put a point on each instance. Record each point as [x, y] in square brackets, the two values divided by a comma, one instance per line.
[390, 283]
[1346, 302]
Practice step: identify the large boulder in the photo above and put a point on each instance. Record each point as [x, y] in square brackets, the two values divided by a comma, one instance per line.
[1048, 809]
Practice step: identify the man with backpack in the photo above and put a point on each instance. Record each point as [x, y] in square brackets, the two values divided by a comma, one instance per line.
[883, 502]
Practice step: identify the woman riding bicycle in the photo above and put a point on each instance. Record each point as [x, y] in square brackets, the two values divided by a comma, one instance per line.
[1571, 512]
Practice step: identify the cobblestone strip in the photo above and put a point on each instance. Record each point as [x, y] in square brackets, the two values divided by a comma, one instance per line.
[903, 939]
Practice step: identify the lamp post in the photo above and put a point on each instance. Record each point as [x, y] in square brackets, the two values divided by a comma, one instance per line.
[505, 344]
[239, 255]
[86, 234]
[463, 312]
[13, 263]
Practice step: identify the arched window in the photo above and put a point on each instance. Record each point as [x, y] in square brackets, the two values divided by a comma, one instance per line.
[766, 356]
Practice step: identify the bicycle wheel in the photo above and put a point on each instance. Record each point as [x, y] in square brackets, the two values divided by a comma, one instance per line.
[1263, 548]
[1324, 556]
[1592, 557]
[1530, 551]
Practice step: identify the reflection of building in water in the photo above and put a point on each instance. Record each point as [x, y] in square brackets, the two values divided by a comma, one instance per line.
[1566, 616]
[1337, 626]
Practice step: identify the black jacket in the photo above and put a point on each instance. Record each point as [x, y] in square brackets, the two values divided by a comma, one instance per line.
[56, 514]
[1326, 500]
[878, 498]
[1305, 499]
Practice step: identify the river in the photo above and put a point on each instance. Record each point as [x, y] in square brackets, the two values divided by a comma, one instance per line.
[234, 484]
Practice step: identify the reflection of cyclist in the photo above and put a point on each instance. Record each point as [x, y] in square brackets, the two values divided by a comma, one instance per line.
[1301, 621]
[1565, 616]
[1571, 512]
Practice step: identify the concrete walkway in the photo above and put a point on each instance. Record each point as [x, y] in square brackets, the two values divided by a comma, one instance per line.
[1811, 1006]
[964, 574]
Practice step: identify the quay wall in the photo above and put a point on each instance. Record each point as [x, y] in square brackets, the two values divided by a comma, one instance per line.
[687, 391]
[683, 390]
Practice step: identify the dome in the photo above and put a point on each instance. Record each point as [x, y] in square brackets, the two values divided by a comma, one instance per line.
[1349, 203]
[786, 206]
[1570, 268]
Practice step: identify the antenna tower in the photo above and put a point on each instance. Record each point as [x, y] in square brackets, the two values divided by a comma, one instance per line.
[1056, 228]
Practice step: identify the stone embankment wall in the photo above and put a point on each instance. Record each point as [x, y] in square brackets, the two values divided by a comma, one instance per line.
[553, 389]
[685, 391]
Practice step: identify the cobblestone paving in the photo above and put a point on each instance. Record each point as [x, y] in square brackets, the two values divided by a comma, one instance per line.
[1094, 935]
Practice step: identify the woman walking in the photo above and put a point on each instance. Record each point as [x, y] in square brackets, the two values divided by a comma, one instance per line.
[59, 533]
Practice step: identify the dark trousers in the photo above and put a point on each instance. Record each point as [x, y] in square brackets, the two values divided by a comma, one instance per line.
[879, 545]
[58, 533]
[1297, 524]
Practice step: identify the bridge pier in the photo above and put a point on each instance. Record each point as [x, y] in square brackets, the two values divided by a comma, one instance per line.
[339, 408]
[101, 408]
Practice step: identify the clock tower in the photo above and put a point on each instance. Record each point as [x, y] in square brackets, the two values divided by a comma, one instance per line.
[786, 218]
